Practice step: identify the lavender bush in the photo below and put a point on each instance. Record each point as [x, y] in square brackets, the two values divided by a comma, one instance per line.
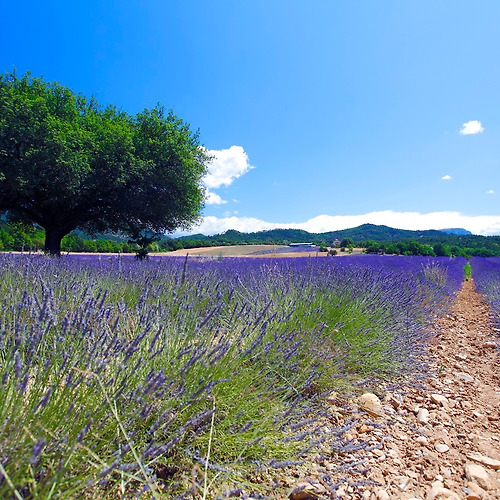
[486, 274]
[176, 376]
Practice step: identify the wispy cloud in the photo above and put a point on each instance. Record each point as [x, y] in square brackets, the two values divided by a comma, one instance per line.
[472, 127]
[446, 177]
[490, 191]
[477, 224]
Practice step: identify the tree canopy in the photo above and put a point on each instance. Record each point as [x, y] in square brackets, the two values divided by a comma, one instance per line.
[66, 163]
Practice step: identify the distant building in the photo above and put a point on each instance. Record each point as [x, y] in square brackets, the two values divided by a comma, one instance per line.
[301, 245]
[336, 242]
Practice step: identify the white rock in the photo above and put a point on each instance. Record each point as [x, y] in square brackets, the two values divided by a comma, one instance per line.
[422, 440]
[484, 460]
[442, 448]
[476, 490]
[403, 482]
[439, 399]
[464, 376]
[371, 404]
[438, 491]
[477, 474]
[423, 416]
[382, 495]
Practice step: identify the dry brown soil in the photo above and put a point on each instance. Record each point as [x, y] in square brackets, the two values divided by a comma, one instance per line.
[250, 251]
[440, 440]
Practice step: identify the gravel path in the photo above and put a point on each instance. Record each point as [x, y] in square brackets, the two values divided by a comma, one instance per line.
[438, 441]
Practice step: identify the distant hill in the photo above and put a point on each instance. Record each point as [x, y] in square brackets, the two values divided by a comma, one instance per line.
[285, 236]
[374, 238]
[454, 241]
[456, 230]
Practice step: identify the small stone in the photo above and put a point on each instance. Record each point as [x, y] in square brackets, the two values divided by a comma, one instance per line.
[461, 356]
[470, 495]
[439, 399]
[403, 482]
[423, 416]
[307, 490]
[464, 376]
[422, 440]
[475, 490]
[442, 448]
[371, 404]
[489, 345]
[477, 474]
[439, 492]
[484, 460]
[445, 471]
[394, 401]
[382, 495]
[332, 398]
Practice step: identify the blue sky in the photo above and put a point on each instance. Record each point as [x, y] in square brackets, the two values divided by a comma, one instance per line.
[322, 115]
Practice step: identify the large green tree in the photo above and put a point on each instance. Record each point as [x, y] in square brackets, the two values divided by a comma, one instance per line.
[66, 163]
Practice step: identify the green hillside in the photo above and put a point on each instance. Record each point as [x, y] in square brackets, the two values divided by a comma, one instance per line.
[374, 238]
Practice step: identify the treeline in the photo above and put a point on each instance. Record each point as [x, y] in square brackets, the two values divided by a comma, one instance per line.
[25, 238]
[436, 250]
[374, 239]
[20, 237]
[377, 239]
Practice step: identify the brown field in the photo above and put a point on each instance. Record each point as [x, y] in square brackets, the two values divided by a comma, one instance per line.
[223, 251]
[250, 251]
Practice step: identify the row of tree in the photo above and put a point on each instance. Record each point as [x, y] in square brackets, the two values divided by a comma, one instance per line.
[416, 248]
[24, 237]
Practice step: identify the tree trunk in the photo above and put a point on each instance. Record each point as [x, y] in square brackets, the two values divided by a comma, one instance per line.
[53, 237]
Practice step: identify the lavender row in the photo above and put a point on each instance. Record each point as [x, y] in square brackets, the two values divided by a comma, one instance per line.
[486, 274]
[116, 374]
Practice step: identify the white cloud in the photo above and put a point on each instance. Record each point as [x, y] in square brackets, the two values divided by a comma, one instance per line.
[227, 165]
[472, 127]
[477, 224]
[490, 191]
[213, 199]
[447, 177]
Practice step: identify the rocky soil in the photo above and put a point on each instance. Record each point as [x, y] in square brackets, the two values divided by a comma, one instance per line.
[440, 440]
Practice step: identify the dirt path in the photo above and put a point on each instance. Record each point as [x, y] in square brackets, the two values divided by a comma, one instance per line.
[441, 441]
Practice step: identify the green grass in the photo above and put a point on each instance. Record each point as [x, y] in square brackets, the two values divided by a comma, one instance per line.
[467, 271]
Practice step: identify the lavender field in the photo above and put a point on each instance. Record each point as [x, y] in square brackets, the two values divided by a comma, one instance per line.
[182, 378]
